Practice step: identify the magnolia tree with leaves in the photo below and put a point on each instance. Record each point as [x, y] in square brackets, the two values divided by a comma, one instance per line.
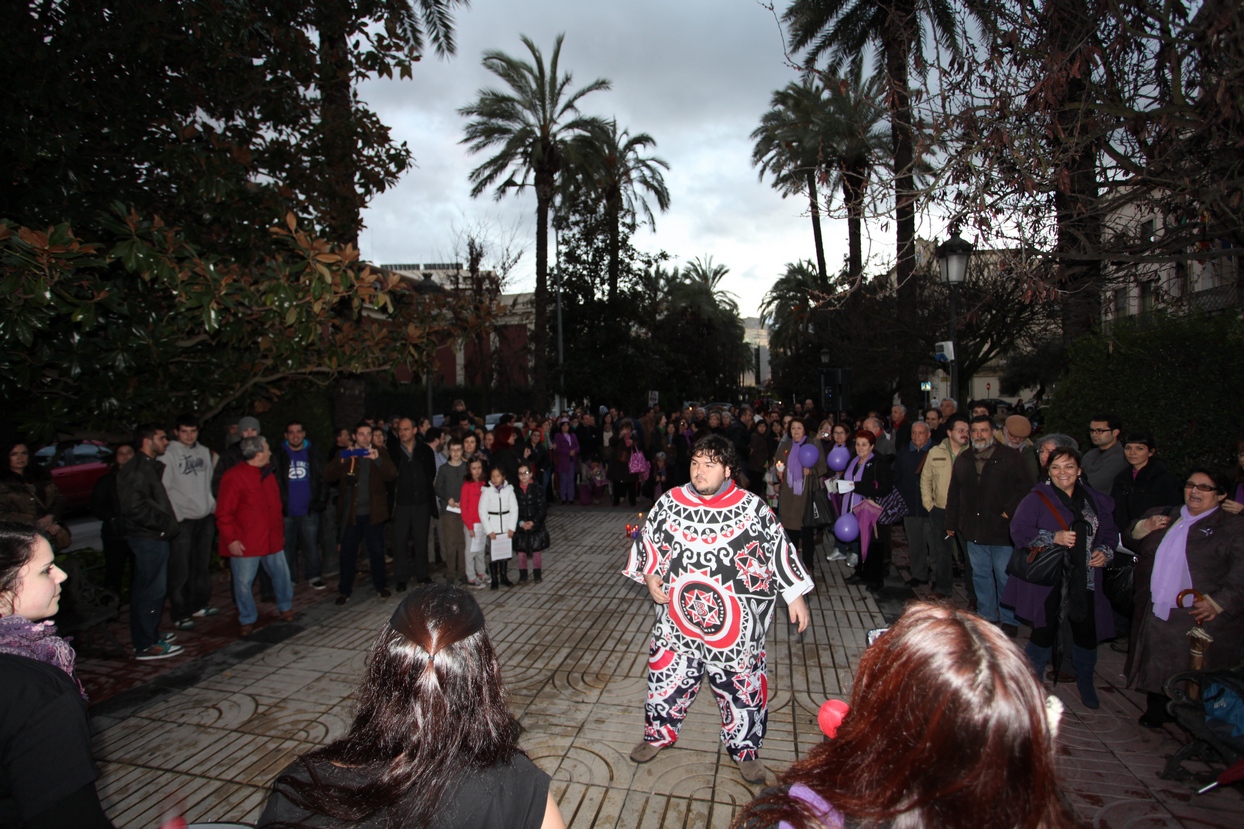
[98, 335]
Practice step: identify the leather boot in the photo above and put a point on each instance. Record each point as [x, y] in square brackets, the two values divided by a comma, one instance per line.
[535, 574]
[1085, 661]
[522, 576]
[503, 567]
[1039, 657]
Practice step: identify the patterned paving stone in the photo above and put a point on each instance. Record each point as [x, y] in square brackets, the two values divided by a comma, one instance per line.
[573, 651]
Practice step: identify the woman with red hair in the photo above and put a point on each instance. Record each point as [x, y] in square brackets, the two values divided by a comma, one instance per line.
[948, 728]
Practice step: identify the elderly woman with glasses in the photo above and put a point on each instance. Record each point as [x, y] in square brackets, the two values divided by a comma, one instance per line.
[1200, 547]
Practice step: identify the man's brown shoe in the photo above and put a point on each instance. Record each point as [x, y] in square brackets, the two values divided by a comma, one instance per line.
[644, 752]
[246, 630]
[753, 771]
[287, 615]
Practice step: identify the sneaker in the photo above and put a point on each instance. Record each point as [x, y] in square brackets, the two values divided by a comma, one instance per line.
[160, 650]
[167, 637]
[478, 585]
[836, 555]
[207, 611]
[317, 583]
[853, 560]
[184, 624]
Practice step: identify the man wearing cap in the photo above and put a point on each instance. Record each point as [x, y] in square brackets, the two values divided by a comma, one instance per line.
[1016, 433]
[248, 427]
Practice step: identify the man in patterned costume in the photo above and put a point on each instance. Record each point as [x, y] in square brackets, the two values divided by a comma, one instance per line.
[714, 557]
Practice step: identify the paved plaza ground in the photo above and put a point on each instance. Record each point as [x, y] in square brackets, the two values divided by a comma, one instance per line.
[209, 734]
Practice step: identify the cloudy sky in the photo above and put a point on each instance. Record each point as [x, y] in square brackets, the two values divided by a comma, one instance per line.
[695, 74]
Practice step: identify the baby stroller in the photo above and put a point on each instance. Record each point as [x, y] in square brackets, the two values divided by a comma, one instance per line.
[1209, 705]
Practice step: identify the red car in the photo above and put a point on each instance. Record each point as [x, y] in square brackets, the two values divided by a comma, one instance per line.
[75, 467]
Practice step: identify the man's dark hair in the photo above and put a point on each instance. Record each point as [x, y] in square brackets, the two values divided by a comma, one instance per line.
[188, 420]
[934, 409]
[434, 433]
[950, 422]
[294, 423]
[360, 425]
[146, 431]
[454, 440]
[1112, 421]
[718, 449]
[984, 404]
[981, 419]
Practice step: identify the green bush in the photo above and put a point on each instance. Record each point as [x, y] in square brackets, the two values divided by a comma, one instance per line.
[1176, 376]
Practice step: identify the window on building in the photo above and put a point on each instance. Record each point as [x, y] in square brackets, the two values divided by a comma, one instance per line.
[1148, 295]
[1120, 303]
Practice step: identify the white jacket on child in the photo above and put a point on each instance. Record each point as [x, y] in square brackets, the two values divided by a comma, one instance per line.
[498, 510]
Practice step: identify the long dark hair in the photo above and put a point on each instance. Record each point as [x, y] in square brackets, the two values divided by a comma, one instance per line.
[17, 548]
[947, 728]
[431, 706]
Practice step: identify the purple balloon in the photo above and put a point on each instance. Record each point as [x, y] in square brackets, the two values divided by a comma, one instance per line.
[838, 458]
[809, 455]
[846, 528]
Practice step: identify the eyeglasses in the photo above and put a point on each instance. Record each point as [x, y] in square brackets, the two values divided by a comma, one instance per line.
[1200, 487]
[522, 473]
[1100, 431]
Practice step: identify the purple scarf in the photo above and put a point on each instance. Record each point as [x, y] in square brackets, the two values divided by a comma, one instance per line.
[794, 467]
[37, 641]
[854, 472]
[1170, 564]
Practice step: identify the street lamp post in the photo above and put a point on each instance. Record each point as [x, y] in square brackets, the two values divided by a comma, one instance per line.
[952, 261]
[825, 358]
[425, 287]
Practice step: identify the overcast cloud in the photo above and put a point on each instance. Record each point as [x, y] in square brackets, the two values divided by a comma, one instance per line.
[695, 74]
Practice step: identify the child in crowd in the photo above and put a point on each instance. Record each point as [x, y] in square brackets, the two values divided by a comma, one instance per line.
[472, 490]
[597, 479]
[660, 476]
[448, 487]
[531, 535]
[498, 510]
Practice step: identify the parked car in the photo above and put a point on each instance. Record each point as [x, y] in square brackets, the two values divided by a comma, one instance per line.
[75, 467]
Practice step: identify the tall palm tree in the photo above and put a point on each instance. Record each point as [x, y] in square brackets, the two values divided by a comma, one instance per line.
[406, 23]
[853, 145]
[841, 29]
[788, 147]
[623, 174]
[539, 136]
[788, 309]
[707, 277]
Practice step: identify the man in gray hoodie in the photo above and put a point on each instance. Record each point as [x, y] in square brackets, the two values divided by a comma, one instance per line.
[188, 481]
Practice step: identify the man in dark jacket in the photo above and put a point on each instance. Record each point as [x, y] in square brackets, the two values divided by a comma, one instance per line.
[908, 465]
[149, 523]
[414, 501]
[300, 478]
[986, 485]
[360, 474]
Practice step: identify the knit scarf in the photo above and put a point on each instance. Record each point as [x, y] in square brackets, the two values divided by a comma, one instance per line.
[794, 467]
[855, 472]
[37, 641]
[1170, 564]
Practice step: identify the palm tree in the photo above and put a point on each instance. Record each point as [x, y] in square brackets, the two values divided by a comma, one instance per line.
[540, 136]
[853, 145]
[702, 274]
[788, 147]
[406, 22]
[789, 308]
[623, 172]
[842, 29]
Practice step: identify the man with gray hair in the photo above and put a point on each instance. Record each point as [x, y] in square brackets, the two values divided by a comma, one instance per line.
[884, 445]
[252, 531]
[1051, 442]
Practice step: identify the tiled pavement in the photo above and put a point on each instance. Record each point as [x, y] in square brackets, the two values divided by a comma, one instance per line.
[209, 738]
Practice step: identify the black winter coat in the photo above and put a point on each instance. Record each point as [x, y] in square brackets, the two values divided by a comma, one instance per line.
[532, 507]
[1154, 486]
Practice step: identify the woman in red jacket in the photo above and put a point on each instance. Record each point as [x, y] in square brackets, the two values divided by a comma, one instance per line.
[252, 531]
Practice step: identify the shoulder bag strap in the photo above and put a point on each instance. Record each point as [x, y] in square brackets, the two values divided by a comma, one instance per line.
[1053, 511]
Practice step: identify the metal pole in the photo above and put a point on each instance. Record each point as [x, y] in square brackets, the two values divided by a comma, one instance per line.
[561, 349]
[954, 364]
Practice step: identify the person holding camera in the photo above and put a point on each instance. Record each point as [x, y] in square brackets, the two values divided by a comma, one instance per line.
[360, 473]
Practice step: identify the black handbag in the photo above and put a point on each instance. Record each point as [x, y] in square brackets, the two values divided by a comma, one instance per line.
[1040, 565]
[1119, 583]
[817, 511]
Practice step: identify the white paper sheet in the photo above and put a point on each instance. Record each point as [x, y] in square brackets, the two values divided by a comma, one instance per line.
[500, 548]
[479, 539]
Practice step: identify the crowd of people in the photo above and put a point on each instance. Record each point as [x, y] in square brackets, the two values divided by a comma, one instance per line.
[976, 495]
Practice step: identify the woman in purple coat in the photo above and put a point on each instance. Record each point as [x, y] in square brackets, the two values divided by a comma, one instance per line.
[1064, 512]
[566, 453]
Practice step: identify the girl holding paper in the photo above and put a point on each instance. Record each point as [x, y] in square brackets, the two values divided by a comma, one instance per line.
[472, 488]
[498, 511]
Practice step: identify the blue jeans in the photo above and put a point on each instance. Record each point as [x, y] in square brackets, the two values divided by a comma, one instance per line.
[244, 570]
[989, 578]
[373, 535]
[147, 590]
[302, 533]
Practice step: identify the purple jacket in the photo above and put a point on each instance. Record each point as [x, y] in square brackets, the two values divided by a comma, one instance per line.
[1032, 516]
